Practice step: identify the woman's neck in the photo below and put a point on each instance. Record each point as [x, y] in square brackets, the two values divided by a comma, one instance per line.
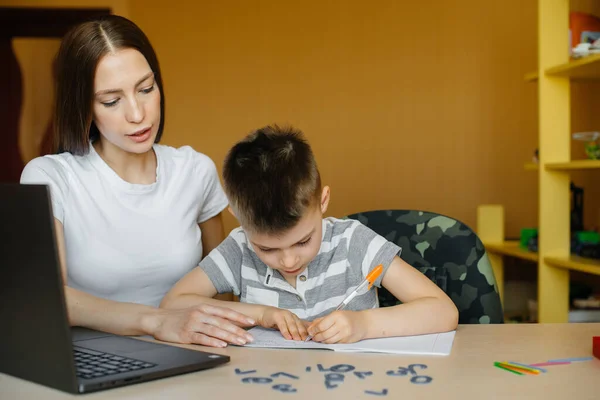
[131, 167]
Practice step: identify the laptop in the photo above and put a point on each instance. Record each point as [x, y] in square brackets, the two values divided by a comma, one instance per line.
[36, 342]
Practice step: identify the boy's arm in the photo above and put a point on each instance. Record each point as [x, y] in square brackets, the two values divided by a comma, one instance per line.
[425, 309]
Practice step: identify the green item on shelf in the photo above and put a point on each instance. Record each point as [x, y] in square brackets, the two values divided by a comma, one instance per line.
[588, 237]
[592, 150]
[526, 234]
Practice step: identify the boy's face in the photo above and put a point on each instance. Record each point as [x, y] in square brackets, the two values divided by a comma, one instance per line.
[292, 251]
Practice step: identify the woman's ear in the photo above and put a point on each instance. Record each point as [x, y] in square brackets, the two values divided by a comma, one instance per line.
[325, 195]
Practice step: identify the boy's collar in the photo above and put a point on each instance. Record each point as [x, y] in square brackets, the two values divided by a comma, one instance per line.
[272, 281]
[268, 281]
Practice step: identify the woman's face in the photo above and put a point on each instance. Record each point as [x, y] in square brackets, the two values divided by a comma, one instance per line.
[126, 104]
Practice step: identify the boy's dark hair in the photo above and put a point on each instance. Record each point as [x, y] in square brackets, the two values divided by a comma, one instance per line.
[80, 51]
[271, 178]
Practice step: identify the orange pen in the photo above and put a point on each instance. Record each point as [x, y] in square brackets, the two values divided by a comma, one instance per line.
[364, 287]
[369, 280]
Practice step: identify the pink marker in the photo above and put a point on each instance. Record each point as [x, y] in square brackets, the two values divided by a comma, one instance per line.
[550, 363]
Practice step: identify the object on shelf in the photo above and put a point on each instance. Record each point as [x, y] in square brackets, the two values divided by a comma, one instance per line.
[576, 208]
[596, 346]
[580, 239]
[592, 302]
[579, 291]
[532, 307]
[526, 235]
[584, 315]
[583, 243]
[584, 32]
[589, 251]
[574, 315]
[592, 149]
[585, 49]
[532, 243]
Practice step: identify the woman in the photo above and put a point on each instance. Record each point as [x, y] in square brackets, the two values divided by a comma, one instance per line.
[132, 217]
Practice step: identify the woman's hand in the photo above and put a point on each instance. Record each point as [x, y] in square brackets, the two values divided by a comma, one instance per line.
[203, 324]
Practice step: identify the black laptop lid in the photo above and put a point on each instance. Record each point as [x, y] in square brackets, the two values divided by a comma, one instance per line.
[35, 343]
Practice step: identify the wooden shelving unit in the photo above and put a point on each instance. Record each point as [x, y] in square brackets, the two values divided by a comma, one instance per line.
[511, 248]
[573, 165]
[531, 166]
[575, 263]
[565, 166]
[555, 73]
[532, 76]
[583, 68]
[586, 68]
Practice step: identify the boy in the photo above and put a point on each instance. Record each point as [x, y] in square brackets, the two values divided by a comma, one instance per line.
[290, 266]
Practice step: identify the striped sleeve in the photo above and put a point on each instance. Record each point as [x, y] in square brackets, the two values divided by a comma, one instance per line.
[223, 266]
[367, 249]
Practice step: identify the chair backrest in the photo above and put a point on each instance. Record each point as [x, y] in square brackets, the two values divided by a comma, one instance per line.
[448, 252]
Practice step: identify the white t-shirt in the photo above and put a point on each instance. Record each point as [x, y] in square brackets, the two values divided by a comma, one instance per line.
[130, 242]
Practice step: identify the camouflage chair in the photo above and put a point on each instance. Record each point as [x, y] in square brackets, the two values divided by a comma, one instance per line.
[449, 253]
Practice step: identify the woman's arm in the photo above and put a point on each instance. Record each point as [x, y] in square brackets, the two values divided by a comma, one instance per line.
[201, 324]
[196, 288]
[213, 233]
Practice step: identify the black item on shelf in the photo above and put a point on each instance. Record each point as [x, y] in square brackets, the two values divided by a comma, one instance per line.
[532, 245]
[586, 250]
[579, 290]
[589, 251]
[581, 249]
[577, 208]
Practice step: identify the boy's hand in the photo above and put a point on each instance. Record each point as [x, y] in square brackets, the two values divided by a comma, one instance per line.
[290, 326]
[339, 327]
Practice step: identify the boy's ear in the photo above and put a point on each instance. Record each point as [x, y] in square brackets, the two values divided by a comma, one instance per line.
[325, 195]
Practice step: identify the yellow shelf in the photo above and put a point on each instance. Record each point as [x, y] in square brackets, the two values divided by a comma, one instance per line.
[531, 77]
[572, 165]
[554, 122]
[588, 265]
[511, 248]
[582, 68]
[531, 166]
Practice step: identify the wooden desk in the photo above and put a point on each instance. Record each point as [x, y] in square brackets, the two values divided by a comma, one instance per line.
[467, 373]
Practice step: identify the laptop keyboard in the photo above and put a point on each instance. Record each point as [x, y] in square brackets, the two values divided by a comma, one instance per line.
[95, 364]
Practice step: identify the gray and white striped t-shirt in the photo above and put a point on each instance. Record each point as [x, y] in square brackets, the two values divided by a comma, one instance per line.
[349, 251]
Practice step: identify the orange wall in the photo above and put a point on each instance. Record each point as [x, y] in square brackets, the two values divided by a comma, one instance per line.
[407, 104]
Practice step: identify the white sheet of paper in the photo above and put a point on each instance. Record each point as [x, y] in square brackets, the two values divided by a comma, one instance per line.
[432, 344]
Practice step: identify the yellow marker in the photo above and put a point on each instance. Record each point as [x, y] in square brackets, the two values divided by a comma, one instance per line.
[520, 368]
[523, 366]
